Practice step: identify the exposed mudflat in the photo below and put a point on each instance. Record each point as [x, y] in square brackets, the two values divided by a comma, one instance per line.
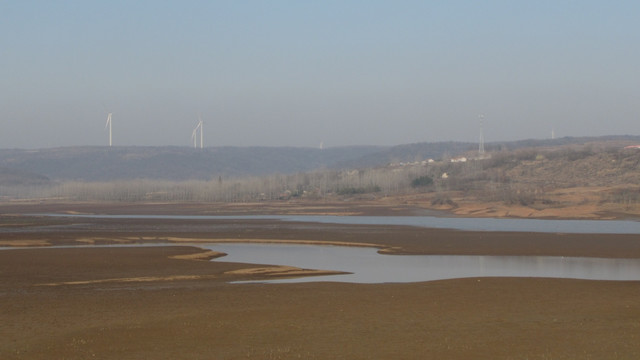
[168, 302]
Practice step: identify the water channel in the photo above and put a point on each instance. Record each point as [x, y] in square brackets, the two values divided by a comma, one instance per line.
[458, 223]
[365, 265]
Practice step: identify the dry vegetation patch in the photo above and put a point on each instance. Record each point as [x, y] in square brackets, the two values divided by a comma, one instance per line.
[24, 243]
[256, 241]
[202, 256]
[282, 271]
[132, 280]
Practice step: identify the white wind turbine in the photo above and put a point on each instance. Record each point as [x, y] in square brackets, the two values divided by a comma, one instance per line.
[194, 136]
[195, 133]
[109, 125]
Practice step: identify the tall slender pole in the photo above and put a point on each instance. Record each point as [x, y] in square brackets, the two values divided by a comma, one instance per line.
[201, 135]
[481, 145]
[110, 132]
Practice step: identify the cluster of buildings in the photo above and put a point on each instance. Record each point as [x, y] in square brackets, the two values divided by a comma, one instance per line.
[415, 163]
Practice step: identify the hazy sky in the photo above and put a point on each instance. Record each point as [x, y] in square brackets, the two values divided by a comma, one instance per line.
[297, 72]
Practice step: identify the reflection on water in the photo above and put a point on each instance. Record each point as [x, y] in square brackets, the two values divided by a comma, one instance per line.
[367, 266]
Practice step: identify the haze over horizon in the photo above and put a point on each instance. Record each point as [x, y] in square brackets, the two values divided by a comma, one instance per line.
[292, 73]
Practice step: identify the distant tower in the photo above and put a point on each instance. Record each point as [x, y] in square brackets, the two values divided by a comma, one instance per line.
[553, 133]
[481, 142]
[321, 145]
[194, 134]
[108, 124]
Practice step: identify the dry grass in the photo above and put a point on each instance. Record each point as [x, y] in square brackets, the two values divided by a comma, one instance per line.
[202, 256]
[132, 280]
[24, 243]
[282, 271]
[258, 241]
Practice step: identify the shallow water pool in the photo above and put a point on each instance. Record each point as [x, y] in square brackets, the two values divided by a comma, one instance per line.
[367, 266]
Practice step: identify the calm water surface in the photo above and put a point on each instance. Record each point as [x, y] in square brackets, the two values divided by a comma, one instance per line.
[367, 266]
[471, 224]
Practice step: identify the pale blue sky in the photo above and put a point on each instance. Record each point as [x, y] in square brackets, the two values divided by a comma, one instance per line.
[295, 73]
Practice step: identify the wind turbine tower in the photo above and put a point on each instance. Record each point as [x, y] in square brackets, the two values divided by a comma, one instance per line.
[201, 132]
[194, 134]
[109, 125]
[481, 142]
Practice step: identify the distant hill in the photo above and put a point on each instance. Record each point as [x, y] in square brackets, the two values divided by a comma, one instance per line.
[174, 163]
[440, 150]
[410, 153]
[11, 177]
[182, 163]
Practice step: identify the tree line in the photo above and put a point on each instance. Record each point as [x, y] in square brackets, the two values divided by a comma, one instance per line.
[313, 185]
[523, 177]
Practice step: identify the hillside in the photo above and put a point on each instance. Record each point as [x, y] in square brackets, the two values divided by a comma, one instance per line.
[571, 177]
[174, 163]
[594, 179]
[12, 177]
[182, 163]
[443, 150]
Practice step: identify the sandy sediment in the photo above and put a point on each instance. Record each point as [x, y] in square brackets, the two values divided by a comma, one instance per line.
[202, 256]
[282, 271]
[132, 280]
[271, 241]
[24, 243]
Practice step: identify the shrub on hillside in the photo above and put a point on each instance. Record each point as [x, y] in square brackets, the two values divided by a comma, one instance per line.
[422, 181]
[358, 190]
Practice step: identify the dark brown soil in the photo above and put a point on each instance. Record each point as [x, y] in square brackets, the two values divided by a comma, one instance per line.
[140, 303]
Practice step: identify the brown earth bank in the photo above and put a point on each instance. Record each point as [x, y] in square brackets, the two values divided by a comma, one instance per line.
[302, 207]
[568, 203]
[166, 302]
[207, 318]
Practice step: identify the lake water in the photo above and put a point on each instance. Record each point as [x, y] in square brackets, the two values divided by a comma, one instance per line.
[458, 223]
[367, 266]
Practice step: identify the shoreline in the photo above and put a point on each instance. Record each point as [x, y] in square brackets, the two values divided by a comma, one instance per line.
[166, 302]
[396, 240]
[414, 205]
